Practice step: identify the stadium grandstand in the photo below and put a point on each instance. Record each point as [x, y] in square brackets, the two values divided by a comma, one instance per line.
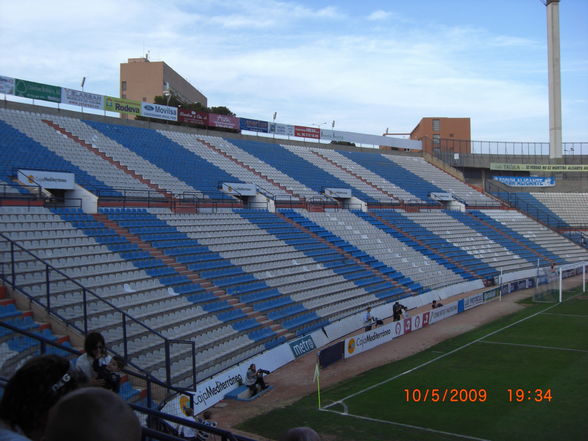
[196, 252]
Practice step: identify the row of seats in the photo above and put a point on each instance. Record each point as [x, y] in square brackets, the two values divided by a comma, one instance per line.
[113, 160]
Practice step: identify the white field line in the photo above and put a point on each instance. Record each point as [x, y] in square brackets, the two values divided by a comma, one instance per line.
[410, 426]
[533, 346]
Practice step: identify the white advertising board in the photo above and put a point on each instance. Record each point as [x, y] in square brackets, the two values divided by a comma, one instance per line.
[473, 301]
[363, 138]
[47, 179]
[344, 193]
[369, 340]
[82, 99]
[239, 189]
[443, 312]
[158, 111]
[7, 85]
[281, 129]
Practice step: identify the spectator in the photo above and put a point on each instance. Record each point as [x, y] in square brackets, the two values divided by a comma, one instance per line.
[92, 414]
[202, 435]
[30, 393]
[95, 348]
[371, 320]
[110, 372]
[436, 304]
[368, 319]
[254, 377]
[300, 434]
[397, 311]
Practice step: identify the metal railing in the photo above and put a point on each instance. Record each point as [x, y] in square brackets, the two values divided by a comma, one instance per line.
[156, 420]
[129, 324]
[515, 201]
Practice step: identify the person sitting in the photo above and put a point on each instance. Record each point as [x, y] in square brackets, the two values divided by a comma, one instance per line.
[30, 393]
[254, 378]
[370, 320]
[95, 349]
[92, 414]
[109, 373]
[436, 304]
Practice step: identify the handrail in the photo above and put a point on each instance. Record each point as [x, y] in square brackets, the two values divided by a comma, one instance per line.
[125, 317]
[224, 434]
[153, 434]
[540, 215]
[148, 379]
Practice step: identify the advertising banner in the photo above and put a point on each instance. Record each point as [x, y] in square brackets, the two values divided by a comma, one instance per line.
[254, 125]
[212, 391]
[443, 197]
[7, 85]
[193, 117]
[82, 99]
[160, 112]
[473, 301]
[302, 346]
[281, 129]
[443, 312]
[525, 181]
[491, 294]
[37, 91]
[307, 132]
[239, 189]
[363, 138]
[369, 340]
[223, 121]
[344, 193]
[539, 167]
[419, 321]
[120, 105]
[47, 179]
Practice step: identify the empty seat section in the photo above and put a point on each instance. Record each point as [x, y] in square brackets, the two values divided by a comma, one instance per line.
[169, 156]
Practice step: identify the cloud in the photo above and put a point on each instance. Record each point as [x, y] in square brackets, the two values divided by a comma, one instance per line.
[379, 15]
[307, 63]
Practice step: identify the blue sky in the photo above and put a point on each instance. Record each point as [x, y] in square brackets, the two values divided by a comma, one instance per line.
[368, 65]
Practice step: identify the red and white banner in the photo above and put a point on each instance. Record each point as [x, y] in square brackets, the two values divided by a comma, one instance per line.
[224, 121]
[193, 117]
[307, 132]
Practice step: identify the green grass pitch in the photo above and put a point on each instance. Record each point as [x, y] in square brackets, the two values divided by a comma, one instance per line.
[543, 347]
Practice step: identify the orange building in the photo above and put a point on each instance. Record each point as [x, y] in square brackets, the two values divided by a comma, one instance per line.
[444, 134]
[143, 80]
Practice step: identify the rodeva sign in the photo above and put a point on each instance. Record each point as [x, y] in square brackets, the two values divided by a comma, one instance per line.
[112, 104]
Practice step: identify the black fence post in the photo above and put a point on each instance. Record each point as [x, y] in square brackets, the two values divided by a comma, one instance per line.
[12, 265]
[85, 307]
[125, 343]
[167, 363]
[47, 287]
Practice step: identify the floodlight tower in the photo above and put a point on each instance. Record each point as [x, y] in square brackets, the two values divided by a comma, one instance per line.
[554, 78]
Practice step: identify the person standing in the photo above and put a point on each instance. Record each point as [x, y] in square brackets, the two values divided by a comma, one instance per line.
[397, 311]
